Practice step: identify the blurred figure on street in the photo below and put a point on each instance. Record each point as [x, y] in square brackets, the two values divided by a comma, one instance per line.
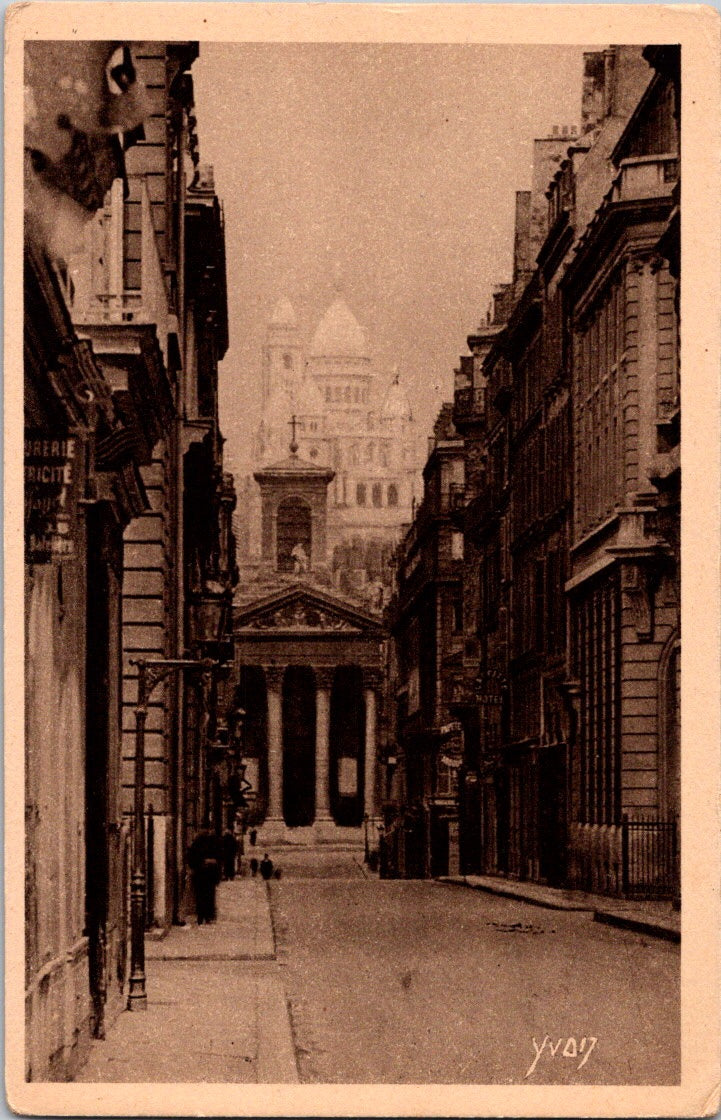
[254, 867]
[204, 862]
[230, 849]
[253, 836]
[266, 867]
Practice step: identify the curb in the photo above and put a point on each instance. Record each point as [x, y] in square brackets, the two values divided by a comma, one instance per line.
[637, 925]
[607, 917]
[519, 896]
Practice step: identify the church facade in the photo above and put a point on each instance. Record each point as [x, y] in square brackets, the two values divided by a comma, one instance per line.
[348, 420]
[306, 674]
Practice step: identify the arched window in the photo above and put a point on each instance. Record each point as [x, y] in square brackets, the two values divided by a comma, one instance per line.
[288, 361]
[360, 494]
[377, 495]
[392, 494]
[293, 536]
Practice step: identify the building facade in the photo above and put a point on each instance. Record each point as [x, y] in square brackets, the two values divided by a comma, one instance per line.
[130, 553]
[307, 673]
[425, 624]
[568, 405]
[347, 421]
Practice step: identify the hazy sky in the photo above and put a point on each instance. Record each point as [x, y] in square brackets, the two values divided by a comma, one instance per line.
[395, 163]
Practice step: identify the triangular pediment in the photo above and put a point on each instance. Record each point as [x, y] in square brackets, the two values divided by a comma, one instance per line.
[300, 609]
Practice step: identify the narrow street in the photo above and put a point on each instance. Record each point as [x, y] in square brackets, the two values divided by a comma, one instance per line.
[412, 981]
[332, 975]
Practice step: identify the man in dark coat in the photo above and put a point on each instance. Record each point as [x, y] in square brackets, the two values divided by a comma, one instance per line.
[230, 849]
[204, 863]
[266, 867]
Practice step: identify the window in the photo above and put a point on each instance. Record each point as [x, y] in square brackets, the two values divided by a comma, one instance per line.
[377, 495]
[457, 612]
[360, 494]
[346, 394]
[293, 535]
[288, 361]
[392, 494]
[456, 546]
[327, 394]
[598, 637]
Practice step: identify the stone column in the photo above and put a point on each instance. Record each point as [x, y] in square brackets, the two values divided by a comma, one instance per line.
[369, 695]
[274, 684]
[324, 680]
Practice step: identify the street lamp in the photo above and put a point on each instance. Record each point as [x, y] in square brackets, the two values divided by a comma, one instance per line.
[150, 673]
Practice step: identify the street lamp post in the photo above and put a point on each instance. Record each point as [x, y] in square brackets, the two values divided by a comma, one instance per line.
[150, 674]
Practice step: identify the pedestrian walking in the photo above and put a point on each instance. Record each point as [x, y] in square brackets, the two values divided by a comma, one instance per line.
[253, 836]
[230, 848]
[204, 864]
[253, 867]
[266, 867]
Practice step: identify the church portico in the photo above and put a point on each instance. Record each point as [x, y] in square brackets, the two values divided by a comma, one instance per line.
[316, 657]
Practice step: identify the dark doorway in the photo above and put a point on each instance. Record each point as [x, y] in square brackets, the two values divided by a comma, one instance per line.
[439, 845]
[293, 536]
[347, 739]
[103, 575]
[251, 695]
[298, 746]
[552, 814]
[503, 821]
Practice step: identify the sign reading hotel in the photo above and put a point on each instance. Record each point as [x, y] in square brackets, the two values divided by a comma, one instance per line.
[50, 475]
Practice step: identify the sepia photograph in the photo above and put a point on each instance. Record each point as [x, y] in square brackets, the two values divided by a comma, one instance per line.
[351, 697]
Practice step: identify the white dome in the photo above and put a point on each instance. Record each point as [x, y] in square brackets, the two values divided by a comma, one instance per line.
[396, 405]
[283, 314]
[339, 334]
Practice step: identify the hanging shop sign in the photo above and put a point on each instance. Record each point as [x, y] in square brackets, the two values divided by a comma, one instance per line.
[51, 472]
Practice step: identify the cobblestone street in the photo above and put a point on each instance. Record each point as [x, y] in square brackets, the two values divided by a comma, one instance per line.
[410, 981]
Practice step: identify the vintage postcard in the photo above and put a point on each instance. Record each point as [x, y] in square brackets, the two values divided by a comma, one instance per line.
[362, 404]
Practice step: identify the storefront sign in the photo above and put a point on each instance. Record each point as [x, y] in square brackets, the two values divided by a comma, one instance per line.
[51, 470]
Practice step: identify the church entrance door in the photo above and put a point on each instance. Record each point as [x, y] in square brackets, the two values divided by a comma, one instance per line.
[347, 737]
[299, 746]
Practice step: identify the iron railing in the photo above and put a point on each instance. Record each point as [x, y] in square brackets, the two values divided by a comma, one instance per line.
[649, 858]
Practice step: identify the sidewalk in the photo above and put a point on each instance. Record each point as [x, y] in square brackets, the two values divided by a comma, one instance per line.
[658, 919]
[216, 1005]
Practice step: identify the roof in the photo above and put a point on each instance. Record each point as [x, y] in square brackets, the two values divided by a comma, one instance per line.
[294, 466]
[339, 334]
[283, 314]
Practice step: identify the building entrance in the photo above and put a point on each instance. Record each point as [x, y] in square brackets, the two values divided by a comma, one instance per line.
[347, 738]
[299, 713]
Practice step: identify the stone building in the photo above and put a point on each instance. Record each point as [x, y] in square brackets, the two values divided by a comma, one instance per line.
[82, 487]
[347, 421]
[425, 624]
[306, 674]
[130, 553]
[568, 742]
